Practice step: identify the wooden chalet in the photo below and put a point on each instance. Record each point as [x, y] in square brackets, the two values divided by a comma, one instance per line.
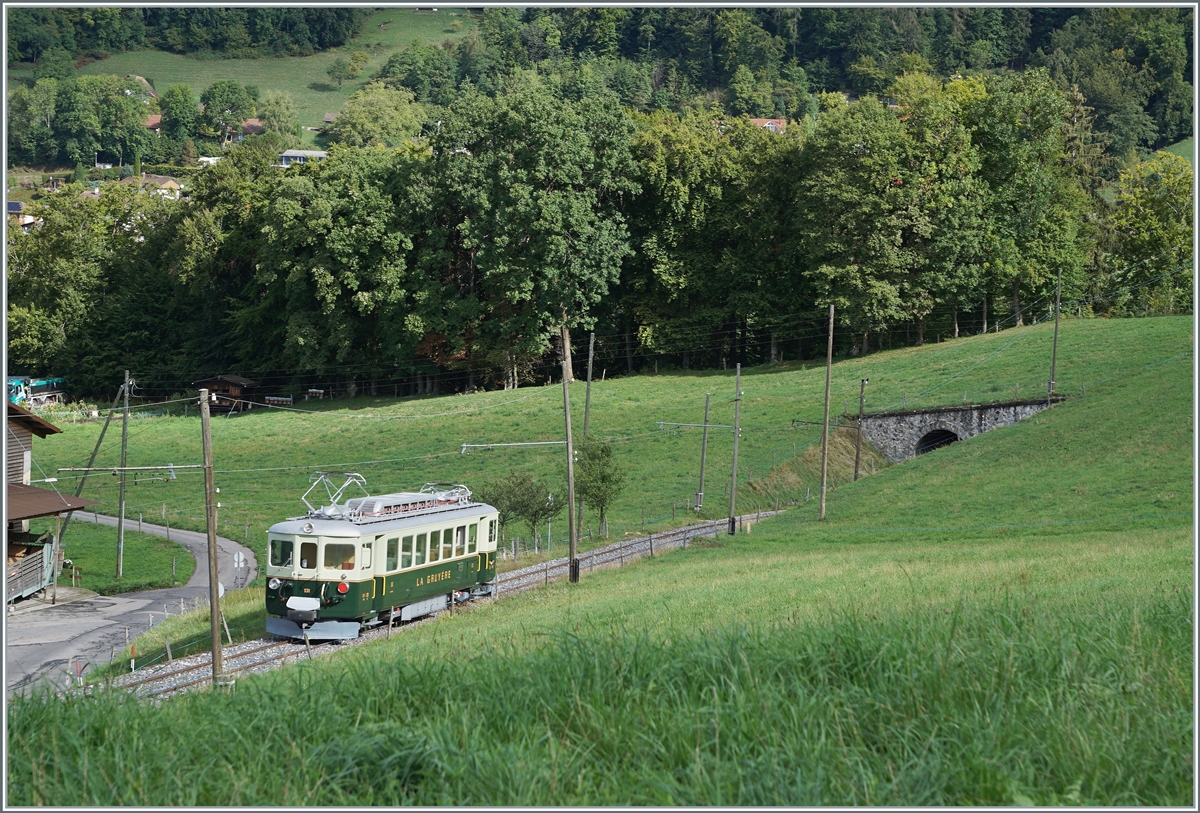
[33, 560]
[233, 393]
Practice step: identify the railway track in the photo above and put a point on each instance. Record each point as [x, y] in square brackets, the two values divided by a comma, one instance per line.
[251, 657]
[617, 554]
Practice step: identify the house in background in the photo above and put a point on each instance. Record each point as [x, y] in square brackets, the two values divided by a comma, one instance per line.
[252, 127]
[33, 560]
[286, 159]
[163, 185]
[774, 125]
[229, 392]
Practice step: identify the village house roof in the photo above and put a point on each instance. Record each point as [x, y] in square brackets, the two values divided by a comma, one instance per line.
[227, 378]
[30, 502]
[153, 122]
[774, 125]
[145, 84]
[330, 118]
[163, 181]
[23, 417]
[253, 127]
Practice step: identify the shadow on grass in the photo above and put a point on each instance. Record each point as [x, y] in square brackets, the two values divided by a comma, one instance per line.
[322, 87]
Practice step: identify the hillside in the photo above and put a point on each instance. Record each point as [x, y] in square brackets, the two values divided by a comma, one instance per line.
[1004, 621]
[263, 458]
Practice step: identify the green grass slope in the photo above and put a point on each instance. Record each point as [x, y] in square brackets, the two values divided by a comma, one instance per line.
[1007, 620]
[304, 78]
[147, 563]
[264, 458]
[1184, 149]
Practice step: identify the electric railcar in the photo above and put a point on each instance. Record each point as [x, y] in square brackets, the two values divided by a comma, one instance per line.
[373, 560]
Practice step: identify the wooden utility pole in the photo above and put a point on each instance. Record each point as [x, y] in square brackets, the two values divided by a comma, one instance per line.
[1054, 352]
[587, 397]
[858, 435]
[825, 428]
[210, 514]
[587, 408]
[703, 453]
[92, 459]
[121, 487]
[572, 532]
[737, 404]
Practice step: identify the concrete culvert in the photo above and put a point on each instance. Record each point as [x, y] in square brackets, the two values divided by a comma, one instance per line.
[935, 440]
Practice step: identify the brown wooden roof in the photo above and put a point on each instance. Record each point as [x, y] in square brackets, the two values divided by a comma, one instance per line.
[23, 417]
[227, 378]
[29, 502]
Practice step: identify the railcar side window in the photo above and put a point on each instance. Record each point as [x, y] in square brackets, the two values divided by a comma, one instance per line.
[435, 546]
[366, 557]
[460, 540]
[339, 557]
[281, 552]
[393, 549]
[308, 554]
[407, 557]
[447, 543]
[419, 555]
[491, 530]
[471, 531]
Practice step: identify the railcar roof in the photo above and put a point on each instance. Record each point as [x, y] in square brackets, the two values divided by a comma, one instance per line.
[346, 528]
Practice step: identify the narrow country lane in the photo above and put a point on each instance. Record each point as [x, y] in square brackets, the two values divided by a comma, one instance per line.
[40, 639]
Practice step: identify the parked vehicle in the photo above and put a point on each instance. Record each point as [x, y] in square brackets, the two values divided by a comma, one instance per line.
[34, 392]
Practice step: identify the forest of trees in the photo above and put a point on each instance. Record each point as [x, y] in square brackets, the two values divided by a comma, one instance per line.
[95, 33]
[486, 200]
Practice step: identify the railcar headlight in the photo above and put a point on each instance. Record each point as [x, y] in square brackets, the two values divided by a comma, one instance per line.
[273, 583]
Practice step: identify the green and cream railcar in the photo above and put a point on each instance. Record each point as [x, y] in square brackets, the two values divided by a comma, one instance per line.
[376, 560]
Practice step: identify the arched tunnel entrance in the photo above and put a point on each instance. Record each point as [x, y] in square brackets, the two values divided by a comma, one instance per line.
[935, 440]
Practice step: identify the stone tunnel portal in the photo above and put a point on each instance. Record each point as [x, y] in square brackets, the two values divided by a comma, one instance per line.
[935, 440]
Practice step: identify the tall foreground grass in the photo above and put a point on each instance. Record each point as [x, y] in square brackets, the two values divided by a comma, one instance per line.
[1009, 700]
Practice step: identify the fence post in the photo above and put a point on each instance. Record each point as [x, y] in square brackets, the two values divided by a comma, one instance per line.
[651, 546]
[167, 641]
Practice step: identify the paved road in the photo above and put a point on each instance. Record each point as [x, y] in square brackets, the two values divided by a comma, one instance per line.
[40, 639]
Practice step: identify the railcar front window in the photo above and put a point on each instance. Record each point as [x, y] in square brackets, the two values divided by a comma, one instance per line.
[308, 555]
[419, 558]
[406, 557]
[281, 553]
[471, 530]
[435, 546]
[460, 540]
[339, 557]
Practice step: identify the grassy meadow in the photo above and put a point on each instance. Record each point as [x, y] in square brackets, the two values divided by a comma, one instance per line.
[1008, 620]
[264, 458]
[1184, 149]
[147, 562]
[304, 78]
